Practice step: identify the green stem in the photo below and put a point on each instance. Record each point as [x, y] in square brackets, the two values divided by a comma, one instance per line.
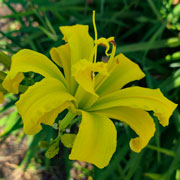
[62, 125]
[77, 119]
[66, 121]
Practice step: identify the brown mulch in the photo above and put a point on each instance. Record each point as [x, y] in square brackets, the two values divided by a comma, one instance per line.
[4, 11]
[12, 152]
[11, 155]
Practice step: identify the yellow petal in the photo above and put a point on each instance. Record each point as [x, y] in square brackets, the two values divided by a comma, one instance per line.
[138, 97]
[80, 42]
[61, 56]
[1, 97]
[49, 117]
[68, 140]
[27, 60]
[41, 103]
[139, 120]
[84, 98]
[83, 71]
[96, 140]
[122, 72]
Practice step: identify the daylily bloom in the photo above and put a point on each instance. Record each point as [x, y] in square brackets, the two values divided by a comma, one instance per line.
[87, 88]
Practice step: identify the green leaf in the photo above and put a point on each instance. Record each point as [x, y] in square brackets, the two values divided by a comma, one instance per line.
[171, 82]
[143, 46]
[154, 176]
[162, 150]
[5, 60]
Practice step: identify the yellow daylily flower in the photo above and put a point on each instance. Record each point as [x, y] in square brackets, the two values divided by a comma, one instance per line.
[89, 89]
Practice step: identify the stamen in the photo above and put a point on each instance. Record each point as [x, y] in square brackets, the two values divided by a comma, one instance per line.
[94, 25]
[100, 79]
[112, 41]
[105, 42]
[95, 32]
[102, 41]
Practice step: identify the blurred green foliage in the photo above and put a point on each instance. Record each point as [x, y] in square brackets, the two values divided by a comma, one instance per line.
[148, 32]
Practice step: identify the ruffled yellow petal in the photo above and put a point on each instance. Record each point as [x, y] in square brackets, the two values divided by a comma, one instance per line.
[1, 97]
[41, 103]
[27, 60]
[80, 42]
[122, 72]
[138, 97]
[139, 120]
[83, 72]
[84, 98]
[96, 140]
[61, 56]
